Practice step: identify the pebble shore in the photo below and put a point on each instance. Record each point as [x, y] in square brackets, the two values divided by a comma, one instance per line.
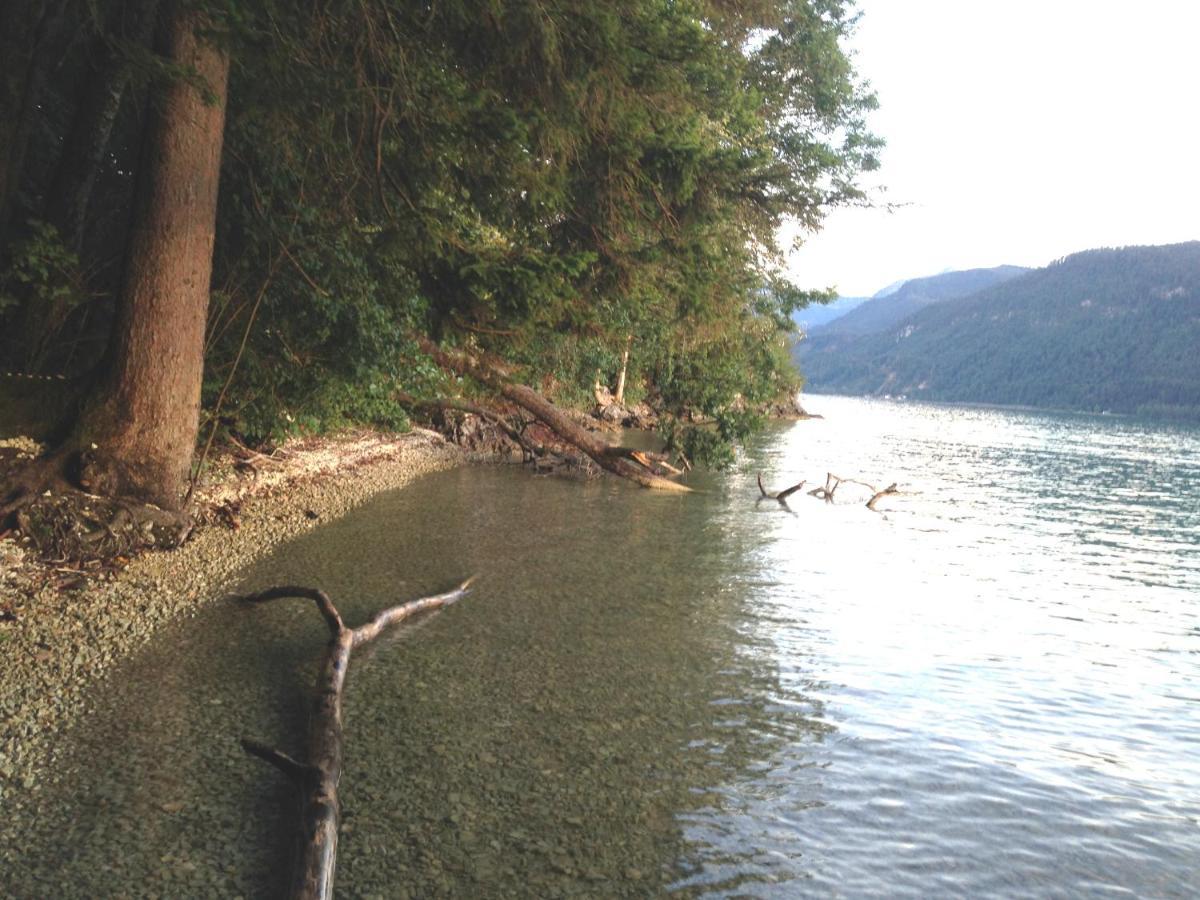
[62, 641]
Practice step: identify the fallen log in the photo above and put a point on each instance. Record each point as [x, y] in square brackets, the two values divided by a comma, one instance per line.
[529, 448]
[554, 418]
[318, 774]
[654, 461]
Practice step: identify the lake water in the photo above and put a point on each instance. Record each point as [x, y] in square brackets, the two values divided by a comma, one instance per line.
[991, 689]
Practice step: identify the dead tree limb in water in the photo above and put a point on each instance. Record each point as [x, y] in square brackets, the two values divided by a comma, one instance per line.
[782, 495]
[614, 459]
[879, 495]
[317, 775]
[826, 491]
[832, 482]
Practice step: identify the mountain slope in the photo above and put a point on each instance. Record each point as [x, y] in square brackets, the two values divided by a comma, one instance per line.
[1115, 330]
[821, 314]
[886, 309]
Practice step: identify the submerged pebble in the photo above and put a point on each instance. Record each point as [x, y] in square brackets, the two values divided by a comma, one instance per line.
[61, 641]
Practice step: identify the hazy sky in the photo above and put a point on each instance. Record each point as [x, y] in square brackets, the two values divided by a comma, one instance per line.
[1019, 131]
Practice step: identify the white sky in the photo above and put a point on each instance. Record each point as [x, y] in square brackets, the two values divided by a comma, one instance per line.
[1019, 131]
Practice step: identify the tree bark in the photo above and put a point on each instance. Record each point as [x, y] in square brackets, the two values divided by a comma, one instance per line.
[319, 774]
[143, 421]
[614, 459]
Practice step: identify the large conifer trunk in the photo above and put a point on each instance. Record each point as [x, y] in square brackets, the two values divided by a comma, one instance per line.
[144, 418]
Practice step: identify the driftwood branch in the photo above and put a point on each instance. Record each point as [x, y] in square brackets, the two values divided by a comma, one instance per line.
[878, 495]
[826, 491]
[324, 605]
[317, 777]
[782, 495]
[555, 419]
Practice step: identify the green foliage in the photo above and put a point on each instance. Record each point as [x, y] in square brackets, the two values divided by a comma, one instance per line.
[544, 180]
[39, 271]
[548, 181]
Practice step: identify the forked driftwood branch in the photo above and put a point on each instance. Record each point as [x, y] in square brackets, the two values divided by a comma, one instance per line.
[832, 483]
[318, 774]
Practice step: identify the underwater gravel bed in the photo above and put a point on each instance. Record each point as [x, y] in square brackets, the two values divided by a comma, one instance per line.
[61, 641]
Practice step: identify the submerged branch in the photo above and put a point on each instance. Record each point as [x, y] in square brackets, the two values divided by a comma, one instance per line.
[318, 776]
[826, 492]
[782, 495]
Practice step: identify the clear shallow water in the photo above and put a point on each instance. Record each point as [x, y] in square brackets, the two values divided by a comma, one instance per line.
[993, 689]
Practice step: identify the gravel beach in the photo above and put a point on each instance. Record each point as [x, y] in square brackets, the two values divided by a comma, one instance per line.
[56, 642]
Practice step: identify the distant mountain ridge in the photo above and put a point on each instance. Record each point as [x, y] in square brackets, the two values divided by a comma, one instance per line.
[887, 309]
[819, 314]
[1103, 330]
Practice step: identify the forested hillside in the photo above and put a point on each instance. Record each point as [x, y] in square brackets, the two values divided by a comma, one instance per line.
[1104, 330]
[891, 306]
[278, 217]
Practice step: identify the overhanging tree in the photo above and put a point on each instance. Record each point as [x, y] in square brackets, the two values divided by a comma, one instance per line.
[539, 181]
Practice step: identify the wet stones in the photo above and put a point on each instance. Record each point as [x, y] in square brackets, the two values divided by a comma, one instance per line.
[57, 638]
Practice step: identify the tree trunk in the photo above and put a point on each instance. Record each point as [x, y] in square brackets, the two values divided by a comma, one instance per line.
[139, 431]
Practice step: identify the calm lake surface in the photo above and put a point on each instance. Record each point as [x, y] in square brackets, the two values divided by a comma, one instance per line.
[993, 689]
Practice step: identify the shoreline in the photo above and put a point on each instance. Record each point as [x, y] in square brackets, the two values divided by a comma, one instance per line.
[58, 642]
[1137, 418]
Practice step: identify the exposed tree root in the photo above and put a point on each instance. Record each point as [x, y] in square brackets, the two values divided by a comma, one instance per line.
[23, 484]
[65, 523]
[318, 774]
